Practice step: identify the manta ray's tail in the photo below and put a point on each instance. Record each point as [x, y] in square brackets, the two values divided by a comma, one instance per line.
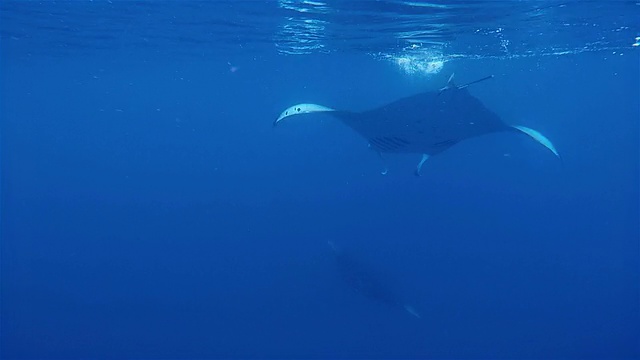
[452, 85]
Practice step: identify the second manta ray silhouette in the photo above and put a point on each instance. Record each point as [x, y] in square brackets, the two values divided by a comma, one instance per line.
[427, 123]
[364, 281]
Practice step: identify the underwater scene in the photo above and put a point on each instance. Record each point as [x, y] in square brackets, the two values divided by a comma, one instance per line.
[296, 179]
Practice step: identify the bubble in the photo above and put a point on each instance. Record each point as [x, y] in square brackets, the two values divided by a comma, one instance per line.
[416, 61]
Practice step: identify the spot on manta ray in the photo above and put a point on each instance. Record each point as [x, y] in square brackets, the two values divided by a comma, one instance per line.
[427, 123]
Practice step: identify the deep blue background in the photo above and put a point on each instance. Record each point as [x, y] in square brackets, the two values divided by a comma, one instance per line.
[150, 209]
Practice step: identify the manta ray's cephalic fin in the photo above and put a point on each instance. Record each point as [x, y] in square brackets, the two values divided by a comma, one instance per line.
[384, 171]
[301, 109]
[425, 157]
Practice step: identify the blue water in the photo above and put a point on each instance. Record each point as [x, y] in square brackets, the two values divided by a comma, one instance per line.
[151, 210]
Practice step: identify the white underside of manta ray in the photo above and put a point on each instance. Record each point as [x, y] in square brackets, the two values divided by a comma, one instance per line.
[427, 123]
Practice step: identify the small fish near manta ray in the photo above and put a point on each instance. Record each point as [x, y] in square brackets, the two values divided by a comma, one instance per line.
[364, 281]
[427, 123]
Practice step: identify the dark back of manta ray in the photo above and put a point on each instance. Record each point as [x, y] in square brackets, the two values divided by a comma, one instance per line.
[362, 279]
[429, 122]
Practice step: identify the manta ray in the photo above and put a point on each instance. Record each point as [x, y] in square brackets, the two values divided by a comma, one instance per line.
[427, 123]
[362, 280]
